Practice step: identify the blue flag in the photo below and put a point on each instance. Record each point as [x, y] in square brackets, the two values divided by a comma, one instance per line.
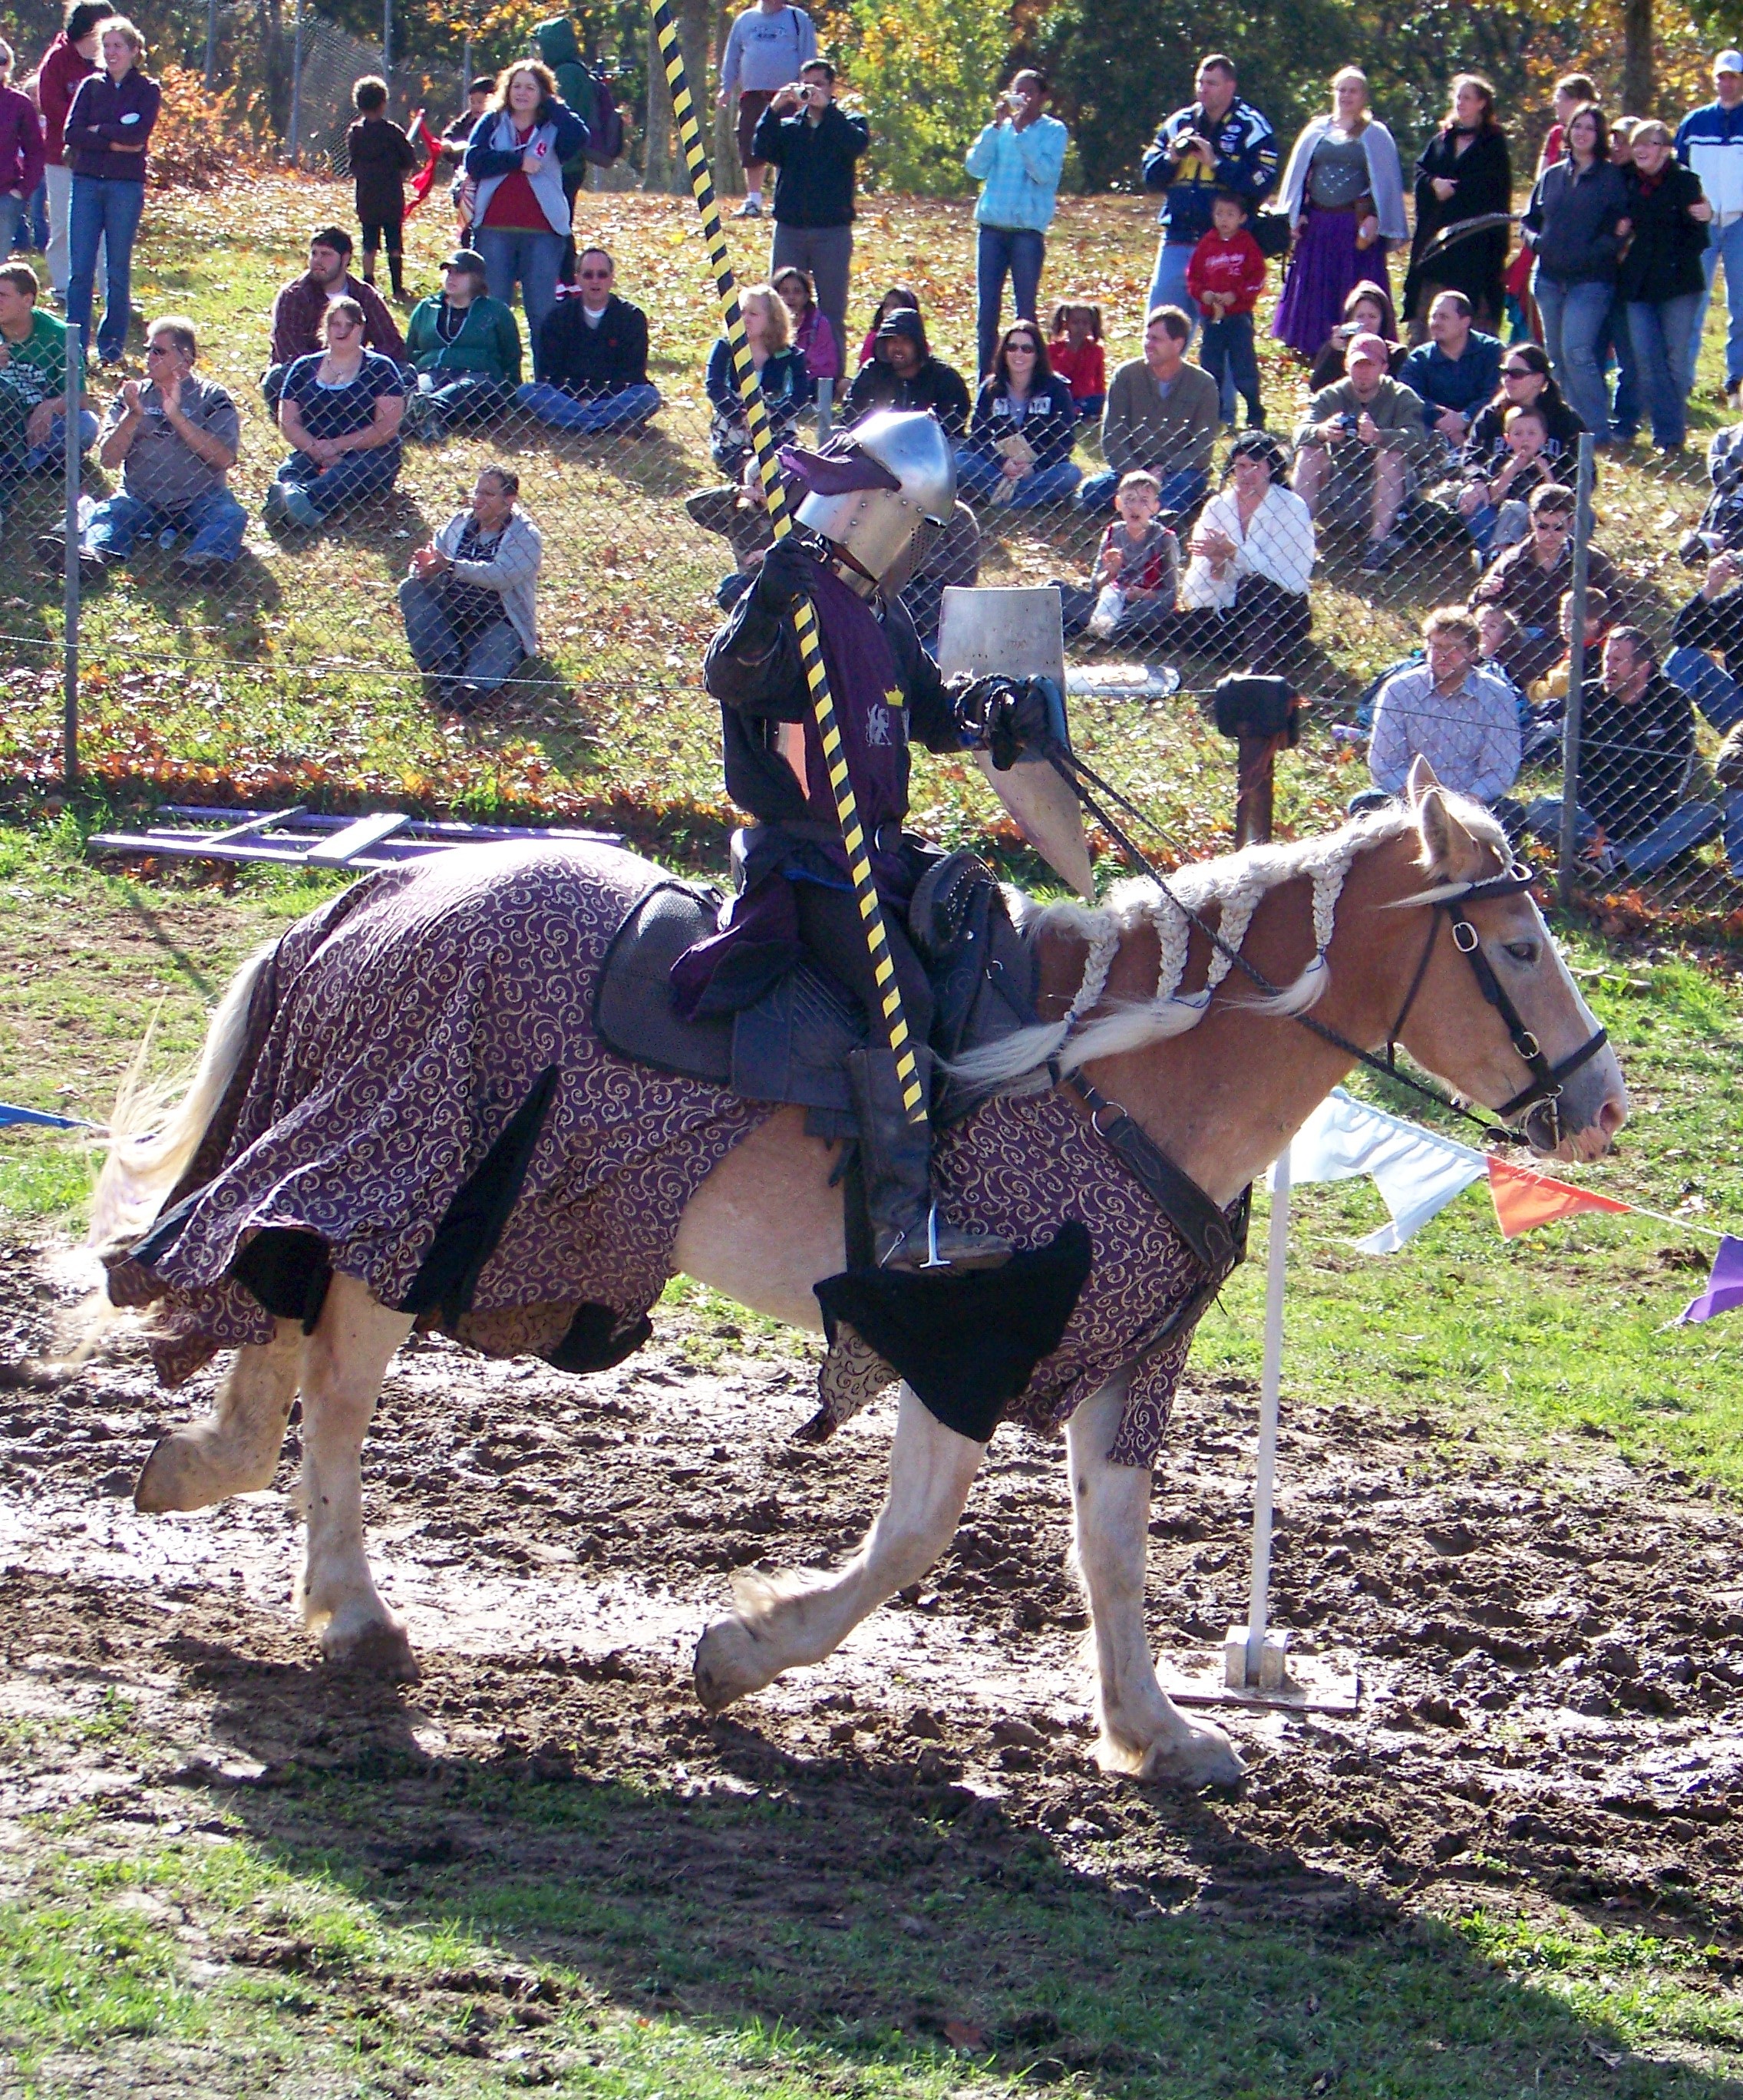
[1724, 1286]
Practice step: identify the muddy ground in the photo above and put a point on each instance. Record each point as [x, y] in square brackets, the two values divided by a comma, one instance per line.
[1551, 1649]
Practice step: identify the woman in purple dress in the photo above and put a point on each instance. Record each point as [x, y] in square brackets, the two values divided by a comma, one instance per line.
[1344, 191]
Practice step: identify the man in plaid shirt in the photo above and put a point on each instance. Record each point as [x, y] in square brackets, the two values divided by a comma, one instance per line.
[1463, 717]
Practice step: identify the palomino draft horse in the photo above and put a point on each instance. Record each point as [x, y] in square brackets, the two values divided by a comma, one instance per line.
[1401, 929]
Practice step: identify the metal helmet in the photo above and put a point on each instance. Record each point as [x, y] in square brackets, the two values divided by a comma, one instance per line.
[882, 522]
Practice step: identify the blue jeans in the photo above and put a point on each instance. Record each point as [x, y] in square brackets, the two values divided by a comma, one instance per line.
[1016, 252]
[11, 220]
[978, 476]
[1688, 825]
[439, 650]
[534, 258]
[1723, 245]
[351, 477]
[1180, 492]
[1228, 355]
[1712, 688]
[1573, 319]
[216, 521]
[1660, 335]
[1616, 343]
[1169, 284]
[106, 213]
[35, 219]
[50, 454]
[602, 412]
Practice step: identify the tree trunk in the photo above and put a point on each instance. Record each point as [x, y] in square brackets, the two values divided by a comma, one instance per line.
[1639, 88]
[657, 163]
[729, 177]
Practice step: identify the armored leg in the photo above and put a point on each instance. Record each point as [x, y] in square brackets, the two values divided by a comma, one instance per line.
[896, 1158]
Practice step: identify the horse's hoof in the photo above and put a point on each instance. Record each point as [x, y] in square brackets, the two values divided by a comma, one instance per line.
[175, 1476]
[376, 1650]
[1204, 1758]
[726, 1666]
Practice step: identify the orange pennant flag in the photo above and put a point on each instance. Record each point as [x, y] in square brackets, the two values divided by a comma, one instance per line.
[1524, 1200]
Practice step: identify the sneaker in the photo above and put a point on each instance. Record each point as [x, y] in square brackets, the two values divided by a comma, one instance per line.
[274, 506]
[750, 209]
[298, 510]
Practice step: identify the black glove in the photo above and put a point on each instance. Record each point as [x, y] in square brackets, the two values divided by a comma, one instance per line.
[1006, 716]
[784, 578]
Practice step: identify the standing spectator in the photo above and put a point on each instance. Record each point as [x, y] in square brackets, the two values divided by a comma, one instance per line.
[1132, 586]
[812, 337]
[905, 374]
[108, 129]
[1662, 278]
[1456, 372]
[464, 347]
[1573, 91]
[455, 140]
[767, 45]
[781, 378]
[1343, 192]
[70, 59]
[814, 143]
[520, 215]
[32, 381]
[1709, 140]
[470, 599]
[342, 411]
[33, 226]
[1017, 160]
[380, 156]
[20, 156]
[174, 437]
[594, 357]
[560, 49]
[300, 306]
[1252, 559]
[1162, 414]
[1020, 398]
[1075, 351]
[1575, 223]
[1359, 447]
[1453, 711]
[1528, 581]
[897, 296]
[1217, 143]
[1225, 276]
[1463, 173]
[1368, 311]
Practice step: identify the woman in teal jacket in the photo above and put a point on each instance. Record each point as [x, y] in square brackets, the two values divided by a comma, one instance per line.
[464, 347]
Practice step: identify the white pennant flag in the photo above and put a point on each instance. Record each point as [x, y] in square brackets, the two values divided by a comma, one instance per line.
[1417, 1172]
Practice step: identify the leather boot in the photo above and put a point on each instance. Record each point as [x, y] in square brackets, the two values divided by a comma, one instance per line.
[896, 1158]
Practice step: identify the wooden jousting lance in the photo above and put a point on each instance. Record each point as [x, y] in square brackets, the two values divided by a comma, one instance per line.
[804, 619]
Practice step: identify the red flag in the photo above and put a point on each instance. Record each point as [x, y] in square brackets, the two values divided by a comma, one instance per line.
[1523, 1199]
[421, 181]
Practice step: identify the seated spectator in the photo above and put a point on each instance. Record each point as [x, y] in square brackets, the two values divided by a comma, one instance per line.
[1074, 350]
[594, 357]
[781, 377]
[1456, 372]
[1019, 447]
[1713, 619]
[1720, 529]
[1500, 644]
[1529, 579]
[1246, 587]
[340, 410]
[1132, 586]
[464, 348]
[1367, 311]
[1525, 383]
[1461, 716]
[1493, 498]
[302, 305]
[469, 598]
[897, 296]
[1546, 698]
[1637, 738]
[1359, 448]
[33, 383]
[905, 374]
[812, 333]
[174, 437]
[1163, 415]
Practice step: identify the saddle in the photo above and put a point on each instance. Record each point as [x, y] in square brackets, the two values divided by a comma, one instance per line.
[791, 1044]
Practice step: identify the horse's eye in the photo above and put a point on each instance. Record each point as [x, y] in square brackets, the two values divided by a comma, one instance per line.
[1523, 952]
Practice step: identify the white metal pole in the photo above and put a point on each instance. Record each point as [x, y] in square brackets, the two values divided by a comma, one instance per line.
[1271, 1379]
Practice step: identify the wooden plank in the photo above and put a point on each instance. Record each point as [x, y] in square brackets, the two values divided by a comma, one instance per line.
[343, 847]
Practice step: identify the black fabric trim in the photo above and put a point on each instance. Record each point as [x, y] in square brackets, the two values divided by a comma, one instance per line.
[967, 1344]
[288, 1271]
[472, 1224]
[595, 1340]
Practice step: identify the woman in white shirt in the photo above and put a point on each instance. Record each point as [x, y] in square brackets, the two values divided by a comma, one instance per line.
[1245, 590]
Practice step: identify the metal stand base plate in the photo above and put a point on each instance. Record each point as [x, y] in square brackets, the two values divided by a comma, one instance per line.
[1306, 1683]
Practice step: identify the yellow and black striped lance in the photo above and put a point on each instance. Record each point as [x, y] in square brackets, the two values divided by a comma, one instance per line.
[804, 619]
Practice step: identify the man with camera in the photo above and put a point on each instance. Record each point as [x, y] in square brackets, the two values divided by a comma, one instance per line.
[1017, 160]
[813, 143]
[1360, 449]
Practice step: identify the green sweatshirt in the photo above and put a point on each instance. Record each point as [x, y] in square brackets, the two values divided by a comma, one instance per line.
[487, 342]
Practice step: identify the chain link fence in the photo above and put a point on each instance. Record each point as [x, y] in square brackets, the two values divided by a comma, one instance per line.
[286, 649]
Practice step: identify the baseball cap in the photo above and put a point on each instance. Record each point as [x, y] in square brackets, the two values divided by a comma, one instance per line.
[466, 258]
[1368, 345]
[1728, 62]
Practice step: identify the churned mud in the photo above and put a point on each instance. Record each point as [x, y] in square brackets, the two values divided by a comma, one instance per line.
[1551, 1652]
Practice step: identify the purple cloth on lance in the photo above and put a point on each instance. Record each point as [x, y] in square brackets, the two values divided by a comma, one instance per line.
[1724, 1286]
[1324, 268]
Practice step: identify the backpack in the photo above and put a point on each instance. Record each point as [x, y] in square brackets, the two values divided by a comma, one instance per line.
[605, 125]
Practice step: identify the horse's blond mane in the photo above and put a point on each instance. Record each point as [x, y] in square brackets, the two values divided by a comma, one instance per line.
[1232, 887]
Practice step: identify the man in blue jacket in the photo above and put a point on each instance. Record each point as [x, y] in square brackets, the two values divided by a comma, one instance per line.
[1710, 141]
[1217, 143]
[1017, 160]
[814, 143]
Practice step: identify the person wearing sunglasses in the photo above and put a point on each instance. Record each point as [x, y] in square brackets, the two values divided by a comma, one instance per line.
[1024, 424]
[592, 354]
[175, 436]
[1529, 579]
[1525, 382]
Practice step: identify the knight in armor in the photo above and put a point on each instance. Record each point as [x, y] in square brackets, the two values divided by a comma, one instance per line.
[876, 498]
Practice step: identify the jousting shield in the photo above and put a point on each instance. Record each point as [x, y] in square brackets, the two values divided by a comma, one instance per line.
[1018, 632]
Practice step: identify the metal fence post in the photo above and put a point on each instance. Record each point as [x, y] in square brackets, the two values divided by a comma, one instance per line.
[69, 666]
[1570, 732]
[296, 91]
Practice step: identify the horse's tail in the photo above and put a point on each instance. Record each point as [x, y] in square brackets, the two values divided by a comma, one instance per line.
[153, 1133]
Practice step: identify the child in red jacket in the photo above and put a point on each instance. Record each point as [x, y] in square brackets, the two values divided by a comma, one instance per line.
[1225, 276]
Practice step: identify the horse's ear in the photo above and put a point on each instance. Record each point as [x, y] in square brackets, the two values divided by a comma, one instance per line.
[1423, 777]
[1450, 853]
